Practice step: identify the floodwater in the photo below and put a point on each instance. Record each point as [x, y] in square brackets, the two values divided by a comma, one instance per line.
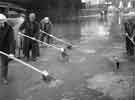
[96, 42]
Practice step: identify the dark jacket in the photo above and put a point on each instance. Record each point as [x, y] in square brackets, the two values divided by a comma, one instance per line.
[30, 30]
[130, 26]
[7, 39]
[46, 27]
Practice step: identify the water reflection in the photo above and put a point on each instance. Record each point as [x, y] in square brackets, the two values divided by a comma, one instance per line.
[94, 29]
[69, 31]
[82, 31]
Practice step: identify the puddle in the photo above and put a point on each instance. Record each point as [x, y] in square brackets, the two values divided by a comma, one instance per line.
[77, 59]
[43, 59]
[19, 99]
[111, 84]
[92, 51]
[40, 85]
[56, 83]
[71, 98]
[34, 88]
[29, 98]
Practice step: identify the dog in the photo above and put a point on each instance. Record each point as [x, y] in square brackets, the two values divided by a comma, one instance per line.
[116, 62]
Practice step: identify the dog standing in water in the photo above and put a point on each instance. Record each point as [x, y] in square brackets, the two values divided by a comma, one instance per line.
[116, 63]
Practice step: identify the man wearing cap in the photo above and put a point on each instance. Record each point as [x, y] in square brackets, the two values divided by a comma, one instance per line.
[46, 26]
[6, 46]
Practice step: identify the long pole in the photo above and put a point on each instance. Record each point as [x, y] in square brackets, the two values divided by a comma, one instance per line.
[69, 44]
[32, 38]
[62, 50]
[45, 73]
[130, 38]
[57, 38]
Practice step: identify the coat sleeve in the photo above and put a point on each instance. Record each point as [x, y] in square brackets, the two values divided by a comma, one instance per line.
[11, 40]
[23, 26]
[51, 26]
[41, 25]
[37, 29]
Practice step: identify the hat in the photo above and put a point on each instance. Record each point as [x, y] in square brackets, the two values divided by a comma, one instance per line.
[46, 18]
[3, 18]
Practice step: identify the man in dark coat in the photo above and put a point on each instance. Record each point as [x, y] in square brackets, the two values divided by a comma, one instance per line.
[129, 25]
[6, 46]
[31, 28]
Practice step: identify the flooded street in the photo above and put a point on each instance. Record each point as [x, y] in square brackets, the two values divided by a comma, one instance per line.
[97, 42]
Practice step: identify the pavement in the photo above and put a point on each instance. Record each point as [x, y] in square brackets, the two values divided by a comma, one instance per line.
[88, 75]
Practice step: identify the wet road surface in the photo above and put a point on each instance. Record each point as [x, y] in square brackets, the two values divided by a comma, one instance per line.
[97, 42]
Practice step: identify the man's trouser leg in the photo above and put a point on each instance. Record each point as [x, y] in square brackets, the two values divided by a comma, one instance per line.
[131, 49]
[128, 44]
[20, 47]
[27, 48]
[4, 66]
[34, 50]
[48, 39]
[38, 50]
[42, 37]
[27, 52]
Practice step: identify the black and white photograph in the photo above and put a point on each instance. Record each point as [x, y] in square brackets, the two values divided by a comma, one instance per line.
[67, 49]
